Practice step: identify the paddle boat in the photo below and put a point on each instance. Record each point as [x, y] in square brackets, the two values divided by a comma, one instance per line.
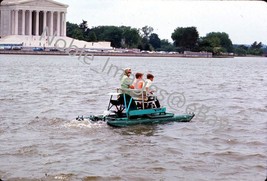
[132, 107]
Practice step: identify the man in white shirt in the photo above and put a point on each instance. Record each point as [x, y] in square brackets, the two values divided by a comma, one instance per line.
[148, 84]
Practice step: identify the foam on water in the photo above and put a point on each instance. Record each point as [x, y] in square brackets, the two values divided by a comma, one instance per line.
[86, 123]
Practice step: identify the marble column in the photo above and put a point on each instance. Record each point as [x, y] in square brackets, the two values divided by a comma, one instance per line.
[58, 23]
[23, 23]
[12, 23]
[44, 20]
[16, 22]
[51, 23]
[64, 25]
[30, 23]
[37, 23]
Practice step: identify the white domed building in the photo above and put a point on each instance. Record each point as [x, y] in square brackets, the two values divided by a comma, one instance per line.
[34, 23]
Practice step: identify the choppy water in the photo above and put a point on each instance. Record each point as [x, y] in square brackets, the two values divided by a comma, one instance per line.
[40, 96]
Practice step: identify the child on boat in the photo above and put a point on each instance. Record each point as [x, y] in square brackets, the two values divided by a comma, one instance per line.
[148, 84]
[138, 82]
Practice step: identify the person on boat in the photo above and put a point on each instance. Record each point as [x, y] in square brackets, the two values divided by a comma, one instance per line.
[148, 84]
[138, 82]
[126, 81]
[138, 93]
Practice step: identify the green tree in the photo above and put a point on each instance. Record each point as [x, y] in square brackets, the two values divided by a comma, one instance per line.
[264, 51]
[145, 33]
[74, 31]
[224, 40]
[244, 47]
[91, 36]
[240, 50]
[216, 42]
[166, 46]
[210, 44]
[154, 40]
[78, 34]
[99, 32]
[145, 45]
[256, 45]
[204, 45]
[84, 29]
[109, 33]
[131, 37]
[185, 38]
[114, 35]
[83, 26]
[70, 28]
[255, 49]
[147, 30]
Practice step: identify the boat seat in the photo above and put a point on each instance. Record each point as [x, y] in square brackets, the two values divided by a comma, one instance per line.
[141, 97]
[150, 103]
[117, 103]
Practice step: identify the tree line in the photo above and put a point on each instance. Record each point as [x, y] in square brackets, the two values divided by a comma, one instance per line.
[254, 49]
[184, 39]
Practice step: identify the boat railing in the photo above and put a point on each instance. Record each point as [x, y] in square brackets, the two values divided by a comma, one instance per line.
[138, 95]
[133, 102]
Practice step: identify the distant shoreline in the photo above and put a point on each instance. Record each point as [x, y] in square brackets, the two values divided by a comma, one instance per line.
[60, 53]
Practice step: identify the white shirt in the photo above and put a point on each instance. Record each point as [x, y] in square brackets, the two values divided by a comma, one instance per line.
[148, 83]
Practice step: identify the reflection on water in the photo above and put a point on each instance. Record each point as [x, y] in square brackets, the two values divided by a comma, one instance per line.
[40, 97]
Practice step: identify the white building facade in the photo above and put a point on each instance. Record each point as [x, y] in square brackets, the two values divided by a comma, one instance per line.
[30, 17]
[24, 21]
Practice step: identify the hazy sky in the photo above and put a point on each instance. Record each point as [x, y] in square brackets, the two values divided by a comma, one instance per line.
[244, 21]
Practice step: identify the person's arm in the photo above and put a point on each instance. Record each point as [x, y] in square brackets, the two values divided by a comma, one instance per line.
[128, 82]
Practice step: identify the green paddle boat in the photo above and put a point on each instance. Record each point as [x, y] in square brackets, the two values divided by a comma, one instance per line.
[126, 110]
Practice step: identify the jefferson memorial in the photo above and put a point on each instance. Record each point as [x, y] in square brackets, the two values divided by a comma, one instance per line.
[24, 21]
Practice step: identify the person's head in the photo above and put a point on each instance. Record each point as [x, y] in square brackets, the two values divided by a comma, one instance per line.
[150, 77]
[127, 72]
[139, 75]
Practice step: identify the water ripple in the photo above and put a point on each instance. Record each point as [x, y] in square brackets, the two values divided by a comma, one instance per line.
[40, 97]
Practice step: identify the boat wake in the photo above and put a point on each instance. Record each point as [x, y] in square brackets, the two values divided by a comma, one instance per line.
[85, 123]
